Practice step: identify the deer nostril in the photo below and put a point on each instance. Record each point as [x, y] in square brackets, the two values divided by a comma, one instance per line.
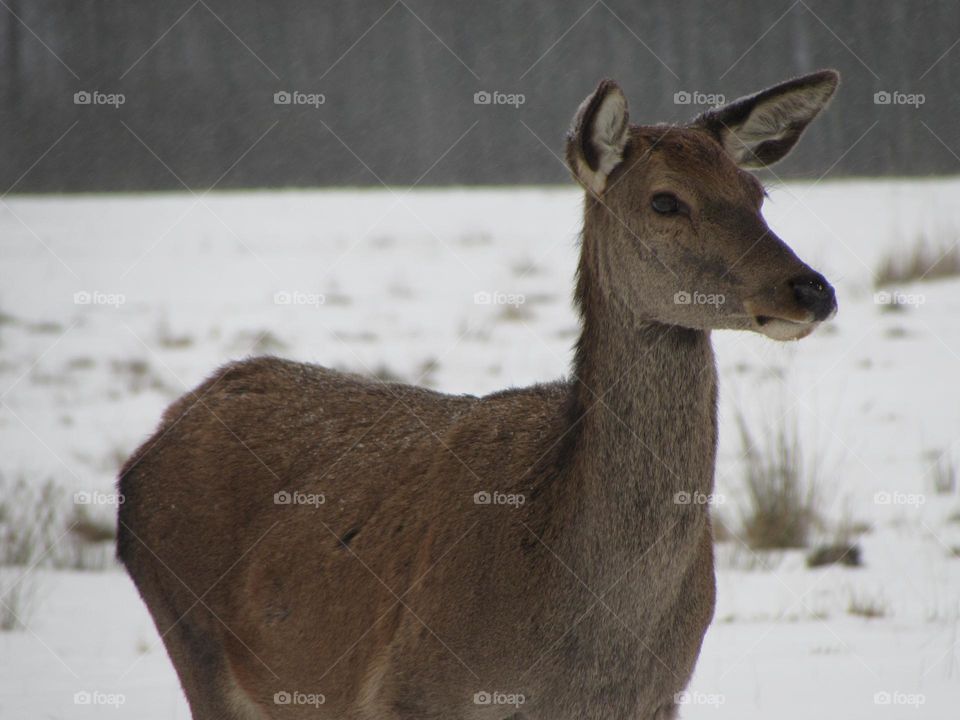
[814, 293]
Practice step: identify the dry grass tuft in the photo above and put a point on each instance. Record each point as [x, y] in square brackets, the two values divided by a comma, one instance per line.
[870, 608]
[782, 498]
[924, 260]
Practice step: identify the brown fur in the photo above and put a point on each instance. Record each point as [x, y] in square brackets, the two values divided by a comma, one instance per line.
[399, 596]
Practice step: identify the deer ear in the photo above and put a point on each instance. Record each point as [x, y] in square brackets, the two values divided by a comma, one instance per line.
[598, 136]
[761, 129]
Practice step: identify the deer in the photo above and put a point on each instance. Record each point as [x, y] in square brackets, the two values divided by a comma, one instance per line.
[314, 543]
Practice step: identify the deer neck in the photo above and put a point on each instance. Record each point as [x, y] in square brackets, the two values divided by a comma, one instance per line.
[645, 397]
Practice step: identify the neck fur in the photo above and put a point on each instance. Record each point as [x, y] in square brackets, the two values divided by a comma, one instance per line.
[643, 415]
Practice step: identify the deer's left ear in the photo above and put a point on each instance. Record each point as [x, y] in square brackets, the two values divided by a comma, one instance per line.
[598, 136]
[761, 129]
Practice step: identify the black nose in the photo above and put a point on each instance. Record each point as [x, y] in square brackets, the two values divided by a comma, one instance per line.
[814, 293]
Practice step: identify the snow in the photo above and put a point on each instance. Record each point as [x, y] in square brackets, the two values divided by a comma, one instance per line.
[386, 281]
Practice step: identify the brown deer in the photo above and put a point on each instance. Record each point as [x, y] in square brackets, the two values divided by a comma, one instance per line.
[317, 544]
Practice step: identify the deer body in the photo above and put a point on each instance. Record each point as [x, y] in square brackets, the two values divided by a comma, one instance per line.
[399, 595]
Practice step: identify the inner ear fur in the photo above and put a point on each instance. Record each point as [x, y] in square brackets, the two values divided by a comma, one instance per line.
[598, 136]
[761, 129]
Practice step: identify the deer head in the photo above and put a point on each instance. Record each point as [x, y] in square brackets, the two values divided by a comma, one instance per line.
[673, 230]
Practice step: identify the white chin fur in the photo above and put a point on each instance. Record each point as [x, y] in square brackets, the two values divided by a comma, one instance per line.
[785, 330]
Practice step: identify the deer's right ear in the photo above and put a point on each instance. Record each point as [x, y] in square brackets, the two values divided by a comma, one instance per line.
[598, 136]
[761, 129]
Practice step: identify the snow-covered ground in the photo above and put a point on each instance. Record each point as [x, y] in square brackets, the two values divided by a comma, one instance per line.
[111, 306]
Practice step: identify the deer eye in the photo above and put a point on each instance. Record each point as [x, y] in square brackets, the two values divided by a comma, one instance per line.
[665, 203]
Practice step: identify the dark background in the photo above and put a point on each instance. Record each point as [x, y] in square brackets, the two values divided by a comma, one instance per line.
[399, 80]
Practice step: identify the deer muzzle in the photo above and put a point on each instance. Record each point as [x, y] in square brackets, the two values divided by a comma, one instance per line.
[793, 309]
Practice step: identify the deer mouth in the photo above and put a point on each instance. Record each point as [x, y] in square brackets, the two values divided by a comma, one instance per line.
[783, 329]
[784, 321]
